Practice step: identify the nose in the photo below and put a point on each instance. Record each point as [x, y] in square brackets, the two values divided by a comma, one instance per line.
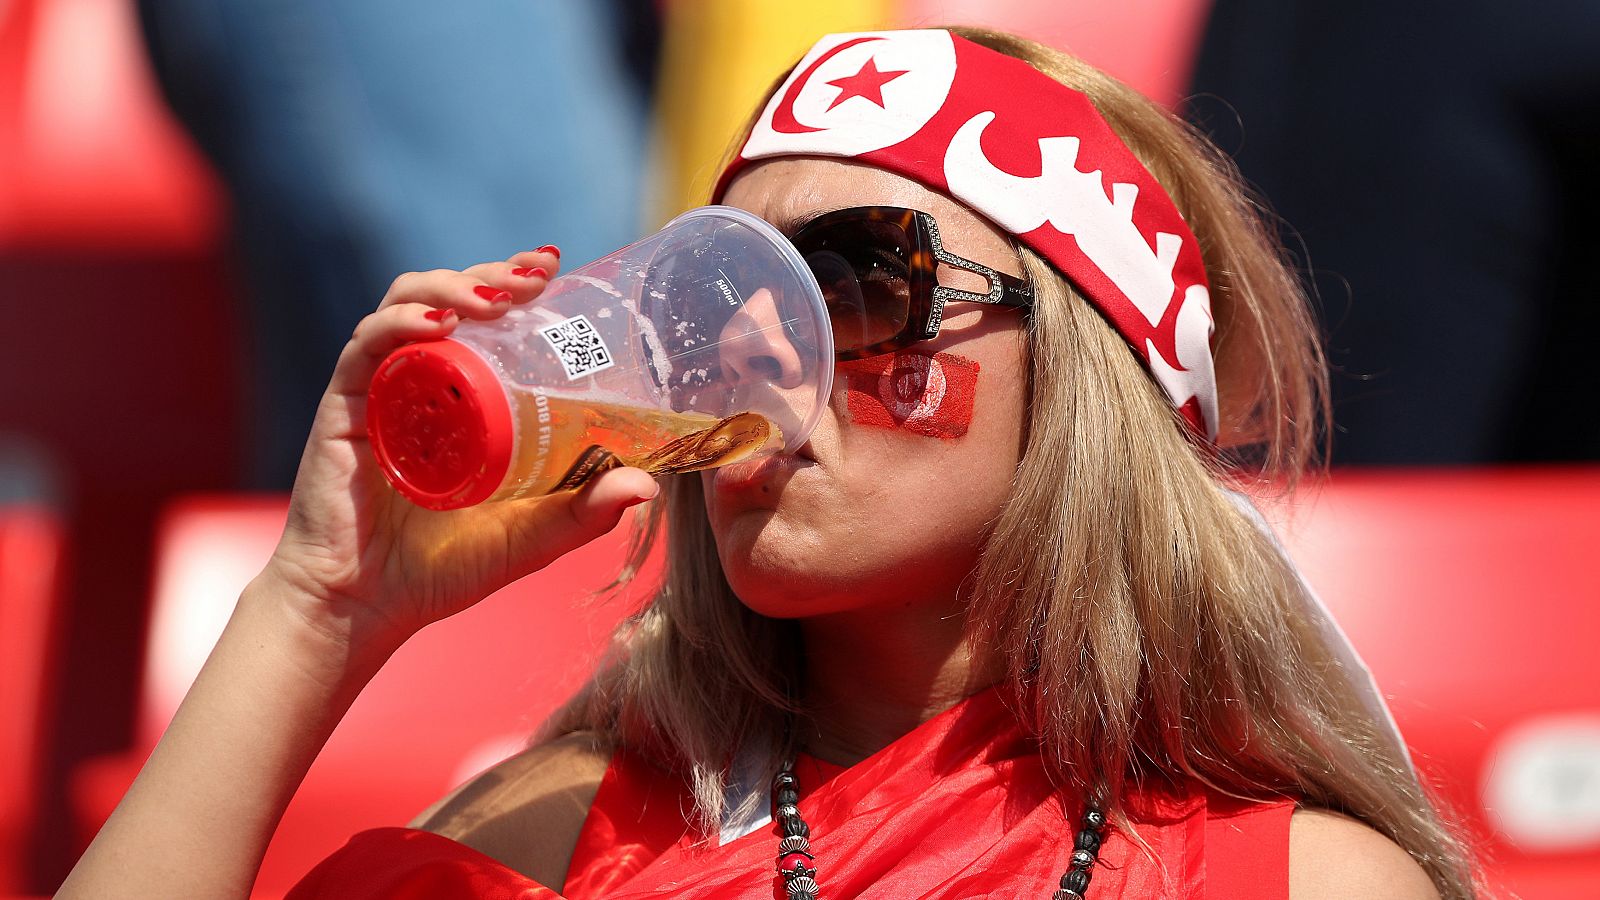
[755, 347]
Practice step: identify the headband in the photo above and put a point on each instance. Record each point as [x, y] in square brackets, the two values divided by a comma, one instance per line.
[1029, 153]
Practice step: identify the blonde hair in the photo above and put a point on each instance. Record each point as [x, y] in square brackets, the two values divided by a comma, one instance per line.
[1149, 630]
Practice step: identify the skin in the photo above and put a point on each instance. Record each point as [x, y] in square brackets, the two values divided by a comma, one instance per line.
[865, 539]
[828, 539]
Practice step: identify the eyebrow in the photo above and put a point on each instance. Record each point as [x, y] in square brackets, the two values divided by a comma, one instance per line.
[792, 223]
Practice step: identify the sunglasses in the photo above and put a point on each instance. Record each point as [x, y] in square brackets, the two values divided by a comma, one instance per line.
[877, 267]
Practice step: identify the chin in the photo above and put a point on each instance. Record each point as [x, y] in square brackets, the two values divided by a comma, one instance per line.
[790, 598]
[807, 559]
[776, 588]
[777, 573]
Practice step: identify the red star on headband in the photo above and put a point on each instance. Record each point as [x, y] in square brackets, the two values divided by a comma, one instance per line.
[866, 83]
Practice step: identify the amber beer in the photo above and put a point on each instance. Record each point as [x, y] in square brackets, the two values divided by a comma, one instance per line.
[563, 442]
[653, 356]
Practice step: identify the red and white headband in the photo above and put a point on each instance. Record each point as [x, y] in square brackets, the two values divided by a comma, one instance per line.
[1029, 153]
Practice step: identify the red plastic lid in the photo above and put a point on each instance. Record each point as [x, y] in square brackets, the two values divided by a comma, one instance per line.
[440, 424]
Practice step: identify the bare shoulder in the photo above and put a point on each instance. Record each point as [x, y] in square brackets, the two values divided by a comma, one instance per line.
[528, 811]
[1332, 855]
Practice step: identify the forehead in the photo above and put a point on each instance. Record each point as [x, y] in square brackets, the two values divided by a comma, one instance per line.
[792, 189]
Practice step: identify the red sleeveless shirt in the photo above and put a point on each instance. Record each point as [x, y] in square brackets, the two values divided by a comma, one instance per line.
[958, 808]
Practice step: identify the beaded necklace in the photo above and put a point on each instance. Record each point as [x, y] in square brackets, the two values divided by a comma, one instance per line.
[800, 876]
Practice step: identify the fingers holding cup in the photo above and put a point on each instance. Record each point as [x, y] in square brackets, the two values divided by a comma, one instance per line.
[381, 333]
[467, 293]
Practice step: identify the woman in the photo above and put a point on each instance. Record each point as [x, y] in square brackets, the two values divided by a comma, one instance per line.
[999, 628]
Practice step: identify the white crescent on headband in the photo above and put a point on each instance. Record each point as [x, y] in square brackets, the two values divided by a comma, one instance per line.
[1029, 153]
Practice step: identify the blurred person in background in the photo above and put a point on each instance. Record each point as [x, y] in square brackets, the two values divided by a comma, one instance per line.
[1438, 163]
[1083, 646]
[361, 138]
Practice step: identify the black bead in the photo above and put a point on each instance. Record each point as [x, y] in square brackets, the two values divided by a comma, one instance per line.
[1076, 880]
[1095, 819]
[784, 779]
[796, 826]
[788, 795]
[1088, 840]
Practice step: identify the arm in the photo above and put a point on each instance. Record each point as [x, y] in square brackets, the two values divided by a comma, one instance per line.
[1333, 857]
[357, 572]
[197, 820]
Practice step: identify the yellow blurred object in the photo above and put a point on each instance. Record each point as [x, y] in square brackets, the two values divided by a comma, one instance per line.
[719, 57]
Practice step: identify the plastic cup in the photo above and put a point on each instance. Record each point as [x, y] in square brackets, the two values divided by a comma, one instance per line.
[704, 344]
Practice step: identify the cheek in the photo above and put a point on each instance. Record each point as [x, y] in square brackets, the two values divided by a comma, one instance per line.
[926, 462]
[928, 394]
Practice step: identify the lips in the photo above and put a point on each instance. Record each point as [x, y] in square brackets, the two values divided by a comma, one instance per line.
[761, 472]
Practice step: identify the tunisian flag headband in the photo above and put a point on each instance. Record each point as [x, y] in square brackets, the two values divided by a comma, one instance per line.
[1032, 155]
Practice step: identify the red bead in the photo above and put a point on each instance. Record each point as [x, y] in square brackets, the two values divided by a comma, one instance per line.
[789, 861]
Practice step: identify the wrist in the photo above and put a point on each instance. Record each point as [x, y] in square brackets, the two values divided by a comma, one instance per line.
[333, 637]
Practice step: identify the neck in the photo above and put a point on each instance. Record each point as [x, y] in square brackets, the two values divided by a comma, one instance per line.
[872, 675]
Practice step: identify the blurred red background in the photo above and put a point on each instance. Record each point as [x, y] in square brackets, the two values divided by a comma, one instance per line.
[124, 537]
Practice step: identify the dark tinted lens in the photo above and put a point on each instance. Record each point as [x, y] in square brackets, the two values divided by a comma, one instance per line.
[863, 271]
[842, 294]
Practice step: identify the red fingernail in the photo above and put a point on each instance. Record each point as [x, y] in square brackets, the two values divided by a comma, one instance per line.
[492, 294]
[551, 249]
[535, 272]
[437, 315]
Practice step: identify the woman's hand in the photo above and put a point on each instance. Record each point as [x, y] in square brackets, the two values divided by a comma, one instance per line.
[359, 569]
[357, 552]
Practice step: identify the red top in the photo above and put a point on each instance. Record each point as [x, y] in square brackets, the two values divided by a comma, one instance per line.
[958, 808]
[440, 424]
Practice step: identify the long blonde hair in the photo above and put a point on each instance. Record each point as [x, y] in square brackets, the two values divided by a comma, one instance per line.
[1150, 631]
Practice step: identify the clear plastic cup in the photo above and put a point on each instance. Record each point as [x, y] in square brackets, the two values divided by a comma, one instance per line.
[704, 344]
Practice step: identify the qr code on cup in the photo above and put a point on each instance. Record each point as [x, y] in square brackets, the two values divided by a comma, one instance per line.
[579, 346]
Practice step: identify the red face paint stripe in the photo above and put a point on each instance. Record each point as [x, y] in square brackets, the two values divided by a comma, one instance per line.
[930, 395]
